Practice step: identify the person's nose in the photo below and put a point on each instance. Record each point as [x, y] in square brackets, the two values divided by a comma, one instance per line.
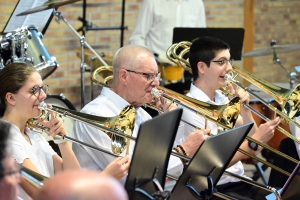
[18, 178]
[42, 95]
[155, 82]
[228, 67]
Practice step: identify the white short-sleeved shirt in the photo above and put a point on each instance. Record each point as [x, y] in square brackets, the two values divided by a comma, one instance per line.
[109, 104]
[199, 121]
[157, 18]
[39, 152]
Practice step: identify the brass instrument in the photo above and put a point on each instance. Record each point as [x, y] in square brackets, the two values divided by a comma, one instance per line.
[288, 104]
[33, 178]
[288, 99]
[225, 116]
[271, 89]
[178, 59]
[116, 127]
[103, 74]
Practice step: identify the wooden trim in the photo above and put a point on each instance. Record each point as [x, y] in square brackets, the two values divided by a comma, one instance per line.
[249, 35]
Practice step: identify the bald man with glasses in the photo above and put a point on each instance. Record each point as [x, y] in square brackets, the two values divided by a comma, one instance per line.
[135, 74]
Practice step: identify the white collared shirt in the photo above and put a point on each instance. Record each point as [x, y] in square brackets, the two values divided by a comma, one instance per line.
[199, 121]
[109, 104]
[157, 18]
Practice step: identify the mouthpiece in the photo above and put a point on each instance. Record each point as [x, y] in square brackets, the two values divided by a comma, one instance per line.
[42, 105]
[228, 77]
[155, 93]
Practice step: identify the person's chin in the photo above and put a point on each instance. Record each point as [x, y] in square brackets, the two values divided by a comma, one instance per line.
[37, 113]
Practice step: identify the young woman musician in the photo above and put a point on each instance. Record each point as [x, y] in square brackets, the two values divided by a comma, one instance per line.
[22, 90]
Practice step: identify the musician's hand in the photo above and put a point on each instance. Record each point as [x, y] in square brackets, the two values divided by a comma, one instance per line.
[165, 105]
[194, 140]
[239, 92]
[118, 168]
[55, 124]
[266, 131]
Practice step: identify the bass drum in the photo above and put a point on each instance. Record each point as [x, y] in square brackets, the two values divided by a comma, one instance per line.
[62, 101]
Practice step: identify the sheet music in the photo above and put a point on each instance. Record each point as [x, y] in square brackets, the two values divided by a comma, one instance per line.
[38, 19]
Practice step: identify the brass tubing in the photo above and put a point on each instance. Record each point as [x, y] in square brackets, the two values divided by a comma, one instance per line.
[189, 106]
[257, 158]
[228, 77]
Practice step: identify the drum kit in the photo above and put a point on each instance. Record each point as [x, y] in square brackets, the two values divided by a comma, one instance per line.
[273, 49]
[25, 45]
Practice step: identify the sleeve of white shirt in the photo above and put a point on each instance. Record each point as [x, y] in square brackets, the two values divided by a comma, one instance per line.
[143, 24]
[201, 22]
[17, 149]
[87, 157]
[296, 132]
[175, 166]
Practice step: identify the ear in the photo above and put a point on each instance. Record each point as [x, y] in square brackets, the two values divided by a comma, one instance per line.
[201, 67]
[123, 76]
[9, 97]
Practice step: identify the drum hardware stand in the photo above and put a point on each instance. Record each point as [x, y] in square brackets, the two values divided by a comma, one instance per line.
[83, 43]
[293, 76]
[92, 65]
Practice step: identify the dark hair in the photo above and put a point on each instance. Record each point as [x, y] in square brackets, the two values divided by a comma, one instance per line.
[4, 133]
[204, 49]
[12, 77]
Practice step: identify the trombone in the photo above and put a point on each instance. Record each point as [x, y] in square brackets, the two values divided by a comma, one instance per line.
[178, 59]
[118, 128]
[225, 116]
[35, 179]
[287, 98]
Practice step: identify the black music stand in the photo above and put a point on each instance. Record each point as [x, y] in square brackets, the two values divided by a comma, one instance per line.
[148, 168]
[208, 164]
[234, 37]
[40, 20]
[291, 188]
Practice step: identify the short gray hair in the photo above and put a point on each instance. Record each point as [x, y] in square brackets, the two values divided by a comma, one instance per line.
[127, 57]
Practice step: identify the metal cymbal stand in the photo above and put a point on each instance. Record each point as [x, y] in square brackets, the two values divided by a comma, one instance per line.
[293, 76]
[83, 43]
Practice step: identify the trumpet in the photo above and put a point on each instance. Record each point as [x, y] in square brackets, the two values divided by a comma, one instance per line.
[116, 127]
[178, 58]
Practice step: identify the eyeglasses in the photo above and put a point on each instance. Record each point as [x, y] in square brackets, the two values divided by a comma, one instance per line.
[222, 62]
[12, 173]
[36, 90]
[149, 76]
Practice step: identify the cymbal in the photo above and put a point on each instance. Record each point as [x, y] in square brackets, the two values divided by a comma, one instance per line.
[47, 5]
[270, 50]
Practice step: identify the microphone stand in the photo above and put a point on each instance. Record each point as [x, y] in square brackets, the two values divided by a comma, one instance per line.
[83, 43]
[291, 75]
